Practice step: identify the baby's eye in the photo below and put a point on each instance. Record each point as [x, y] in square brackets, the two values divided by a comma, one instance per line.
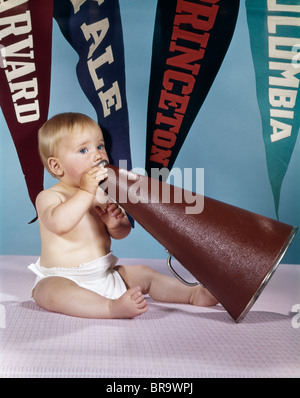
[100, 147]
[83, 151]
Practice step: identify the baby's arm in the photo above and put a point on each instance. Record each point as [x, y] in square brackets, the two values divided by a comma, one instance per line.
[61, 217]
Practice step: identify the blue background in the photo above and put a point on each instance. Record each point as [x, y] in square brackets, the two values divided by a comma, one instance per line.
[225, 139]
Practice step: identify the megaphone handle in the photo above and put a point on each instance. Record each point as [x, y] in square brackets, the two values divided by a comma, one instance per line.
[191, 284]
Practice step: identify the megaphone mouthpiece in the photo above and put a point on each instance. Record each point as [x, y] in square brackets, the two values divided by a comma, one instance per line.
[103, 163]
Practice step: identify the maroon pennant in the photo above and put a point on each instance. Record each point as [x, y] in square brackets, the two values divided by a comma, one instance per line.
[25, 68]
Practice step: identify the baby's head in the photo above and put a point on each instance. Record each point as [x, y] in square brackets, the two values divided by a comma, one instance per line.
[55, 129]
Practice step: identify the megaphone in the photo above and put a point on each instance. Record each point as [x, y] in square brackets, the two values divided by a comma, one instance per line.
[231, 251]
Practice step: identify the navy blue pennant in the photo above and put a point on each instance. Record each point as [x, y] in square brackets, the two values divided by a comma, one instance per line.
[94, 30]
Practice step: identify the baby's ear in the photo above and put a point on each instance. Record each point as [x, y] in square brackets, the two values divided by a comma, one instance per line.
[55, 167]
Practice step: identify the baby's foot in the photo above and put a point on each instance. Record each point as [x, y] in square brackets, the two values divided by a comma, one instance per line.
[131, 304]
[202, 297]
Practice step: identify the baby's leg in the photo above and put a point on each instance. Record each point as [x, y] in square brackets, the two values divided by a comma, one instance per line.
[165, 288]
[58, 294]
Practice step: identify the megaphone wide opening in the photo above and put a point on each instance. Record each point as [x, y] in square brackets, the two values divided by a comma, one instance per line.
[268, 276]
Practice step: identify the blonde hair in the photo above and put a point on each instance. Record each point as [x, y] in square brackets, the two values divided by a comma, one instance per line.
[56, 128]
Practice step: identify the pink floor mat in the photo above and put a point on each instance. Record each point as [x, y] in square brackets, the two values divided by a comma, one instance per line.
[169, 341]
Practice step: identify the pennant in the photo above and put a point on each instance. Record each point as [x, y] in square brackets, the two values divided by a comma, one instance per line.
[25, 44]
[94, 30]
[190, 41]
[274, 28]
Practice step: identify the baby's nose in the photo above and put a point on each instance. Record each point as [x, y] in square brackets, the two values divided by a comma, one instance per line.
[97, 158]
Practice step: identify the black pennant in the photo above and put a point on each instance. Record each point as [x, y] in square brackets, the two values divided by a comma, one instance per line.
[190, 41]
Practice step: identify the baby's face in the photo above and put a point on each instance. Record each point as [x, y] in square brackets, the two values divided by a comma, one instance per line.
[81, 150]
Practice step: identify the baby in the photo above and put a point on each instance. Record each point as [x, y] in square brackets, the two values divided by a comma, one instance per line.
[77, 273]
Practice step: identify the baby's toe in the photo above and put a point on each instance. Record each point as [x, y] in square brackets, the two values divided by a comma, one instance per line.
[136, 293]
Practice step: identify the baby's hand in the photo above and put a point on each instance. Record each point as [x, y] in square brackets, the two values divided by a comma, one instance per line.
[91, 178]
[112, 215]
